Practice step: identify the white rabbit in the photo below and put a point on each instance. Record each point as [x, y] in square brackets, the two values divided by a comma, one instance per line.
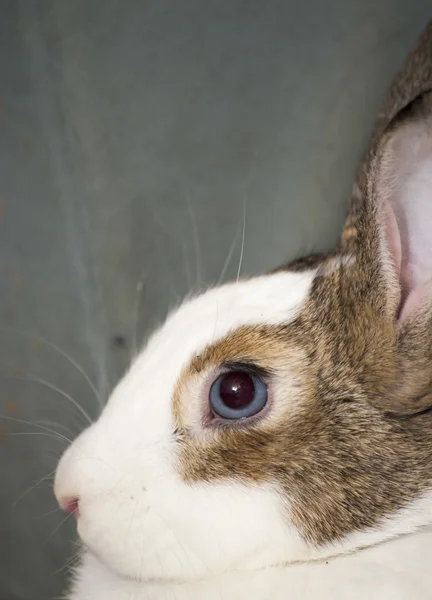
[273, 440]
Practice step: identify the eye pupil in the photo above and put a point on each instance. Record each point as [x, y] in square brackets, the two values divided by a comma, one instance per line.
[237, 395]
[237, 390]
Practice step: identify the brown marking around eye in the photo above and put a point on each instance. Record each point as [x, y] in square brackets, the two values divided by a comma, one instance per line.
[341, 463]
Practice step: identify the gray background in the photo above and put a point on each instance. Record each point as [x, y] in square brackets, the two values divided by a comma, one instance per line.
[134, 136]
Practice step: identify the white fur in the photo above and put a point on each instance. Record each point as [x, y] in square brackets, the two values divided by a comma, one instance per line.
[397, 570]
[215, 541]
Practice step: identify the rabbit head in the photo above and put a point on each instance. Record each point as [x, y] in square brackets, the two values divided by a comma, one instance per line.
[283, 417]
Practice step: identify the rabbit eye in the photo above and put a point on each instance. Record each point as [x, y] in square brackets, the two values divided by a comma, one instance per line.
[237, 395]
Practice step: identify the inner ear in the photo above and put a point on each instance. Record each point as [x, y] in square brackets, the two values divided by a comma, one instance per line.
[404, 189]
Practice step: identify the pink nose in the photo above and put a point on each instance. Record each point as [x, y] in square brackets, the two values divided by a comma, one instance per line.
[70, 505]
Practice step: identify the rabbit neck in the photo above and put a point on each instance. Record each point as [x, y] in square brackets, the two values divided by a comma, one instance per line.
[396, 569]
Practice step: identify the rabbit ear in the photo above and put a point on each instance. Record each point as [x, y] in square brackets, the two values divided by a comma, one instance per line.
[389, 232]
[402, 190]
[401, 201]
[401, 197]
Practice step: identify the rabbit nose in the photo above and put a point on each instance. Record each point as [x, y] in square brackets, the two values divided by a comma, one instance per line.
[74, 474]
[70, 505]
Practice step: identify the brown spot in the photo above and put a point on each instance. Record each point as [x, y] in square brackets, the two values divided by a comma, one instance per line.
[350, 232]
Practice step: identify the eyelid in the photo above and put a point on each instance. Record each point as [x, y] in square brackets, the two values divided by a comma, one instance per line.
[248, 367]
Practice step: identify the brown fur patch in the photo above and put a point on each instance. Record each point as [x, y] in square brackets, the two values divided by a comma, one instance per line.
[262, 346]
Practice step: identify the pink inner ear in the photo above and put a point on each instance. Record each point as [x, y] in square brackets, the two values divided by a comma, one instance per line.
[406, 175]
[393, 237]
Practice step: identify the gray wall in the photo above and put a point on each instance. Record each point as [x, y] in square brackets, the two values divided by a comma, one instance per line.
[133, 137]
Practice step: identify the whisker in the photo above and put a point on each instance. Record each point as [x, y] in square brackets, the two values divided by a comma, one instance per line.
[245, 199]
[197, 244]
[26, 492]
[51, 512]
[60, 426]
[228, 258]
[48, 485]
[179, 243]
[32, 433]
[136, 311]
[51, 387]
[131, 521]
[59, 350]
[243, 238]
[143, 538]
[216, 319]
[69, 564]
[53, 457]
[14, 419]
[62, 522]
[171, 530]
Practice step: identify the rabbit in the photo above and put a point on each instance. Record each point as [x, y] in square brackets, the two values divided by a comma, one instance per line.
[273, 439]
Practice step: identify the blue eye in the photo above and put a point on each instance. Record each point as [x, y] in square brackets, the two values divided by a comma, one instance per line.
[237, 395]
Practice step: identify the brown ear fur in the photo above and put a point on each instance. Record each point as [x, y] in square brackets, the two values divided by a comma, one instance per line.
[406, 373]
[413, 81]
